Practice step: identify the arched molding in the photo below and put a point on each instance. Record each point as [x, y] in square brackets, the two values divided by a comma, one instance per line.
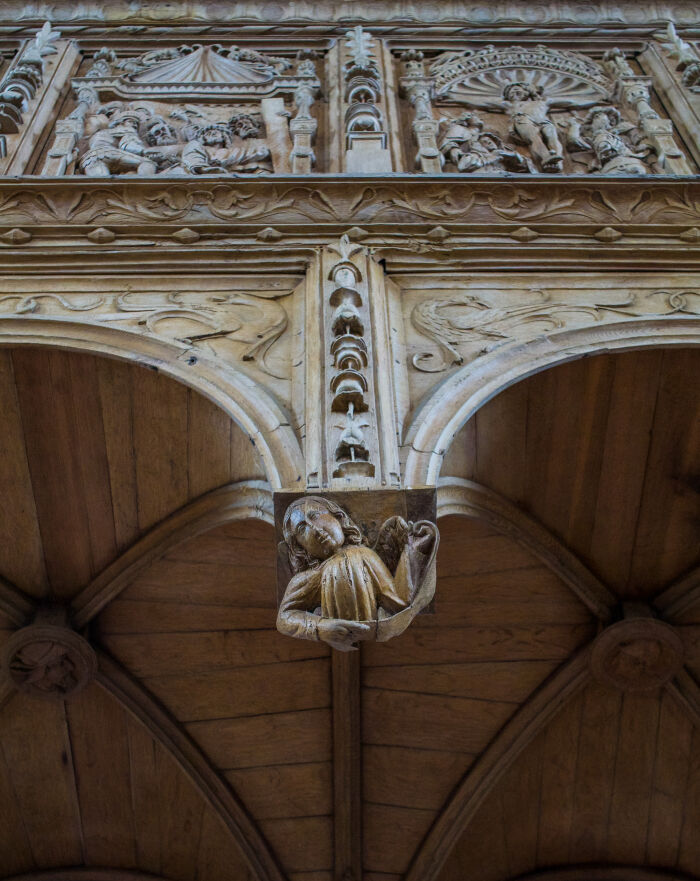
[605, 873]
[456, 399]
[217, 793]
[245, 401]
[465, 498]
[247, 500]
[480, 779]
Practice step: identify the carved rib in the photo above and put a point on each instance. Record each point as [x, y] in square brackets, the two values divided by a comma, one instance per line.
[522, 728]
[250, 499]
[134, 698]
[469, 499]
[14, 604]
[680, 596]
[687, 692]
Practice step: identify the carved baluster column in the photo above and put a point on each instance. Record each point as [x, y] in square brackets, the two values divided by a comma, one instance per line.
[418, 89]
[303, 126]
[634, 91]
[60, 159]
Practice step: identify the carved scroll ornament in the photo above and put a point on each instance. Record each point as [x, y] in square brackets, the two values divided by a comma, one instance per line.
[343, 591]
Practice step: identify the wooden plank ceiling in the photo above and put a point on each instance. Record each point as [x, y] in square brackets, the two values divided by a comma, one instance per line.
[205, 747]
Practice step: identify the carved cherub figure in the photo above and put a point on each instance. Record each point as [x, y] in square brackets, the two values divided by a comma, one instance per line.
[343, 591]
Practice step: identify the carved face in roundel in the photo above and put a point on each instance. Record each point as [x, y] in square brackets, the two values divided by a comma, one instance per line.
[318, 531]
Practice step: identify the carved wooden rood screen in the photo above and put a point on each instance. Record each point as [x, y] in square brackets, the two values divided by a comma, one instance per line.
[350, 455]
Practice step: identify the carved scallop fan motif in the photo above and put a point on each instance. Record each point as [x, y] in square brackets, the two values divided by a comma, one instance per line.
[203, 65]
[486, 89]
[479, 77]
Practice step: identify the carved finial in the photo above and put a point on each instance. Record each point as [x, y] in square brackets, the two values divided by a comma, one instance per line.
[345, 248]
[41, 45]
[359, 44]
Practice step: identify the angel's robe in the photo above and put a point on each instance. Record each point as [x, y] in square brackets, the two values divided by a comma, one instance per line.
[353, 585]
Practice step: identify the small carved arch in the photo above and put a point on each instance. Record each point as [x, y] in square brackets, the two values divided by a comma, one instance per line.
[441, 415]
[244, 400]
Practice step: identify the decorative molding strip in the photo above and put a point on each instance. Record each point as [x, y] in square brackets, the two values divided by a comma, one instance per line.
[247, 500]
[480, 779]
[465, 498]
[687, 692]
[459, 200]
[134, 698]
[511, 12]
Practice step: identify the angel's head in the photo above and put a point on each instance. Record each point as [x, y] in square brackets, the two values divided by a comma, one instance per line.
[314, 529]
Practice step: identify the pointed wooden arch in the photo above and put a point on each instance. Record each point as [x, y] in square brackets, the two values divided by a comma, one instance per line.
[193, 762]
[249, 404]
[480, 779]
[456, 399]
[466, 498]
[247, 500]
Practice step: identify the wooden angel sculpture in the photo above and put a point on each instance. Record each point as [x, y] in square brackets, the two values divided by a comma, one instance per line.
[342, 591]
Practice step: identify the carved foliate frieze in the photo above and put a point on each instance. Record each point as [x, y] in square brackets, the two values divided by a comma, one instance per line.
[354, 567]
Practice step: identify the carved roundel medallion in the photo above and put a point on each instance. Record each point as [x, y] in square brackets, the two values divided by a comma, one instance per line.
[637, 654]
[49, 661]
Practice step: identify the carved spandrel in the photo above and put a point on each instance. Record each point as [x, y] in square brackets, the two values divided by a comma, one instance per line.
[241, 329]
[354, 566]
[465, 326]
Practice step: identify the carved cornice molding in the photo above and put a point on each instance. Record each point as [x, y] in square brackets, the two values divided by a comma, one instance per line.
[437, 209]
[244, 11]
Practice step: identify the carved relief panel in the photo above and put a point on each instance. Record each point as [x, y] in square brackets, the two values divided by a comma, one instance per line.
[188, 110]
[537, 110]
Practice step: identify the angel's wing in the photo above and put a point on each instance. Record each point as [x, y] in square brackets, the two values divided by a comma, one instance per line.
[391, 540]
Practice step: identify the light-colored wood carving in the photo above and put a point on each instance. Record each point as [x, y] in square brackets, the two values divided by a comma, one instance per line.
[342, 591]
[245, 401]
[439, 417]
